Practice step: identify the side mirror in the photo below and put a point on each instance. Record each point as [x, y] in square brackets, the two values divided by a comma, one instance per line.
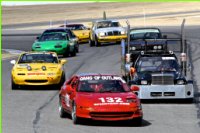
[13, 62]
[63, 61]
[89, 28]
[69, 89]
[134, 88]
[37, 37]
[165, 36]
[132, 70]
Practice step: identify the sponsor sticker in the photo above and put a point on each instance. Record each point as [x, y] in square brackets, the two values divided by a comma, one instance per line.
[100, 78]
[36, 73]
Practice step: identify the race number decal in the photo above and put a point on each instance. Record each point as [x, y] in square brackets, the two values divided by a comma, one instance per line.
[67, 100]
[111, 100]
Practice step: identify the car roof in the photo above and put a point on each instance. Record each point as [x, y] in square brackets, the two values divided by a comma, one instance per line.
[38, 52]
[106, 20]
[57, 28]
[94, 74]
[71, 24]
[143, 28]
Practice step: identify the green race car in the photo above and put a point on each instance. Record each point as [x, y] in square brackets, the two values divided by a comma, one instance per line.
[58, 42]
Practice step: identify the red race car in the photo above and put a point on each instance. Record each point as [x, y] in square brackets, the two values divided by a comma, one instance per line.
[99, 97]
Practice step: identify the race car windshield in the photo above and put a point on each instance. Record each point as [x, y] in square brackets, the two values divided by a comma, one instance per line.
[53, 37]
[38, 58]
[145, 34]
[75, 27]
[106, 24]
[155, 64]
[102, 86]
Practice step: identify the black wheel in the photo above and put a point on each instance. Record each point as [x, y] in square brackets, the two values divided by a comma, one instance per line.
[77, 48]
[91, 43]
[62, 112]
[73, 53]
[62, 80]
[97, 44]
[66, 54]
[14, 86]
[137, 121]
[75, 119]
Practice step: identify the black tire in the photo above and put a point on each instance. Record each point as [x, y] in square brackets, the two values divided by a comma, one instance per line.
[62, 80]
[73, 53]
[91, 43]
[137, 121]
[66, 54]
[97, 44]
[77, 48]
[14, 86]
[62, 112]
[75, 119]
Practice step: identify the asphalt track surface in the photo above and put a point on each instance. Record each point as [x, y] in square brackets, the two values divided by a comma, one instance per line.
[36, 110]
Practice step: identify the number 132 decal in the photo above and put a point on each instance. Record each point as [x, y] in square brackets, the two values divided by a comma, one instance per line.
[111, 100]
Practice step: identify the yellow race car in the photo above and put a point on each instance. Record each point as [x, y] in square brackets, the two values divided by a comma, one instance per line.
[79, 30]
[37, 68]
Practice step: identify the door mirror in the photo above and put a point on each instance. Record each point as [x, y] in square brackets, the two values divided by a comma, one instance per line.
[69, 89]
[132, 70]
[37, 37]
[134, 88]
[13, 62]
[63, 61]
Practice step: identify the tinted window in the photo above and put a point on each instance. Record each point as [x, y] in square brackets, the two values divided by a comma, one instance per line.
[53, 36]
[157, 64]
[101, 86]
[38, 58]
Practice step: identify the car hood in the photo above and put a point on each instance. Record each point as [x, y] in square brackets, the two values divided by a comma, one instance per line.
[35, 67]
[81, 32]
[97, 99]
[49, 44]
[110, 29]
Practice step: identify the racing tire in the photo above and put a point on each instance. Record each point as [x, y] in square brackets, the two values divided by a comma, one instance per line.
[91, 43]
[75, 119]
[14, 86]
[77, 48]
[97, 44]
[66, 54]
[62, 112]
[73, 53]
[62, 80]
[137, 121]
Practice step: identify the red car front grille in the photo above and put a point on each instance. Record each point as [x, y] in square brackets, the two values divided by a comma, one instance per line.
[110, 114]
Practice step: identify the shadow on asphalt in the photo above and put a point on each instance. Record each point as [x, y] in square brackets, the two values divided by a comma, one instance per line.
[114, 123]
[37, 88]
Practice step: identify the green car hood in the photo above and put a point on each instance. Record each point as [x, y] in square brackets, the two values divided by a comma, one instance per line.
[50, 44]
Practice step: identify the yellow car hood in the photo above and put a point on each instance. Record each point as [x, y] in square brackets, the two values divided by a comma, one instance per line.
[37, 67]
[81, 32]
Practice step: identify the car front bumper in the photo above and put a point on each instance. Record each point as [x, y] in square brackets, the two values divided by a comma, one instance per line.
[166, 91]
[36, 79]
[108, 39]
[109, 114]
